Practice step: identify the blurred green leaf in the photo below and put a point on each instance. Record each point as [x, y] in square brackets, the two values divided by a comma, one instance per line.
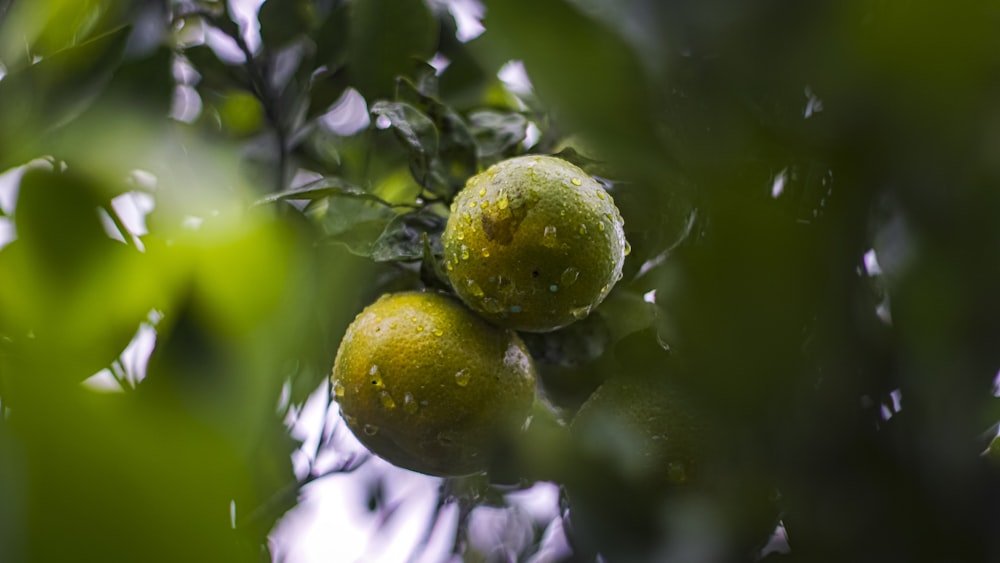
[284, 20]
[45, 95]
[385, 35]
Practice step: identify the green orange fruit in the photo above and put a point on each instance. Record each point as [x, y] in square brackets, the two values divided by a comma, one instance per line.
[427, 385]
[534, 243]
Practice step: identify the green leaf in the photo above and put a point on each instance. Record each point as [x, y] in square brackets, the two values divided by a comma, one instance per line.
[497, 132]
[323, 188]
[385, 35]
[456, 153]
[327, 86]
[403, 238]
[418, 135]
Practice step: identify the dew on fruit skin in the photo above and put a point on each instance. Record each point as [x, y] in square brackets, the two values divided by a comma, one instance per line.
[600, 195]
[462, 378]
[503, 202]
[492, 305]
[449, 266]
[583, 229]
[375, 376]
[549, 236]
[420, 328]
[465, 252]
[628, 248]
[600, 227]
[580, 312]
[553, 288]
[474, 288]
[460, 235]
[676, 472]
[438, 332]
[338, 388]
[484, 205]
[482, 192]
[409, 404]
[370, 429]
[486, 253]
[569, 276]
[472, 204]
[387, 400]
[604, 289]
[454, 207]
[576, 182]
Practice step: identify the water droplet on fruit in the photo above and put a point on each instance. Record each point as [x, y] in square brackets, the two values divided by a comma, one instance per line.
[474, 288]
[569, 276]
[482, 192]
[486, 253]
[600, 195]
[580, 312]
[375, 376]
[370, 429]
[472, 204]
[462, 378]
[628, 248]
[583, 229]
[420, 328]
[503, 202]
[600, 227]
[576, 182]
[465, 252]
[460, 235]
[338, 388]
[549, 236]
[438, 332]
[409, 404]
[492, 305]
[449, 266]
[387, 400]
[676, 472]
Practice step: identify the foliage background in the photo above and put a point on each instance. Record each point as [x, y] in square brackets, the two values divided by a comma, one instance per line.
[810, 191]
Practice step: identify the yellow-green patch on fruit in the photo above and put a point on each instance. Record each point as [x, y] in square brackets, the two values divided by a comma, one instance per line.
[429, 386]
[534, 243]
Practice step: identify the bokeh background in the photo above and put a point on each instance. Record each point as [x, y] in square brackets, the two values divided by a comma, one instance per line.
[197, 196]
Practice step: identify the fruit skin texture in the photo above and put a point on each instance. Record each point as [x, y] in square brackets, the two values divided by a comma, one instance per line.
[429, 386]
[533, 243]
